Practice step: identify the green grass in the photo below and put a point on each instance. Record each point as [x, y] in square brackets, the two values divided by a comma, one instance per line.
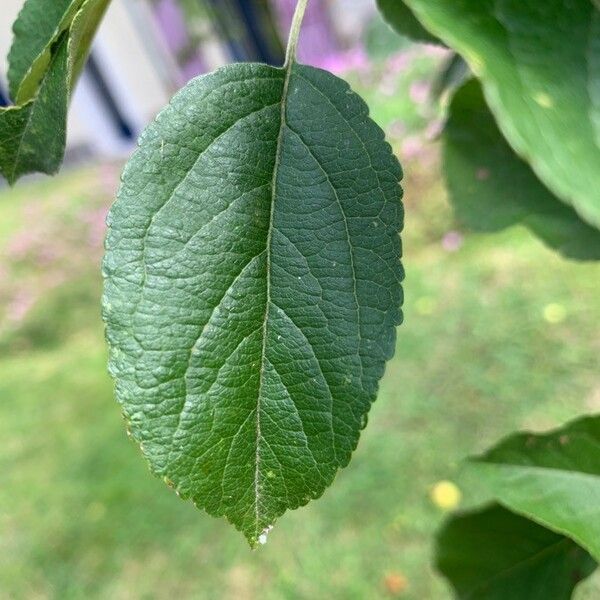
[80, 514]
[81, 517]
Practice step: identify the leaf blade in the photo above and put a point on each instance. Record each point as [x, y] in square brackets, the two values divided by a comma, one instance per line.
[526, 560]
[491, 188]
[290, 204]
[402, 19]
[552, 478]
[26, 143]
[36, 29]
[536, 85]
[33, 134]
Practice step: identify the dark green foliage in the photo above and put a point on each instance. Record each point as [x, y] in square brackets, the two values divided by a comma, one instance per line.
[552, 478]
[492, 188]
[253, 287]
[29, 139]
[493, 554]
[51, 44]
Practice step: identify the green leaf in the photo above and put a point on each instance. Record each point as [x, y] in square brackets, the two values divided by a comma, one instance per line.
[33, 133]
[253, 287]
[491, 188]
[37, 28]
[493, 554]
[538, 62]
[552, 478]
[33, 136]
[81, 35]
[403, 20]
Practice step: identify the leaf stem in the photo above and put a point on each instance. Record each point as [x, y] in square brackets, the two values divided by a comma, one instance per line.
[292, 46]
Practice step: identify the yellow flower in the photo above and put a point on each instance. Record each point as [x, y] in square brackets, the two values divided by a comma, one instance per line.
[555, 313]
[446, 495]
[425, 306]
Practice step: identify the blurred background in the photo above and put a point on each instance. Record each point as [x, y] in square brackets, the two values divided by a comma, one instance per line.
[500, 333]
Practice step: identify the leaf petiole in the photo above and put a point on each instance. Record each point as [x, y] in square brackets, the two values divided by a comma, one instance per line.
[292, 46]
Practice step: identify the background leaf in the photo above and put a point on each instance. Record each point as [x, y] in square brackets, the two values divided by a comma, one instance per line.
[491, 188]
[403, 20]
[33, 134]
[552, 478]
[538, 87]
[494, 554]
[253, 287]
[36, 30]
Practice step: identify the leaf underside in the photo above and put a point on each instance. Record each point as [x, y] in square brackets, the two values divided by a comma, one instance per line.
[494, 554]
[253, 287]
[552, 478]
[491, 188]
[539, 64]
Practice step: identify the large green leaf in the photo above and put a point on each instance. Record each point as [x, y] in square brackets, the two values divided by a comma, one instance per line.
[402, 19]
[494, 554]
[253, 287]
[552, 478]
[538, 62]
[492, 188]
[33, 133]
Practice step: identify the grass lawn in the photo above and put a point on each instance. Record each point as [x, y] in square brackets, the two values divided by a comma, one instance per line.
[499, 333]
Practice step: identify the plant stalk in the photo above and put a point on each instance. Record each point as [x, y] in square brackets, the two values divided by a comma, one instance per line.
[290, 55]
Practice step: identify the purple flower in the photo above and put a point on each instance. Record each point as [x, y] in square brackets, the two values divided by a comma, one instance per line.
[419, 92]
[452, 241]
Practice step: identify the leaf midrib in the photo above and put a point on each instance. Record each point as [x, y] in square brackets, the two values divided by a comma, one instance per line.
[283, 117]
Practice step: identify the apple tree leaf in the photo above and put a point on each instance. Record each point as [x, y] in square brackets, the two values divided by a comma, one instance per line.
[538, 63]
[33, 132]
[37, 28]
[253, 287]
[551, 478]
[494, 554]
[491, 188]
[401, 18]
